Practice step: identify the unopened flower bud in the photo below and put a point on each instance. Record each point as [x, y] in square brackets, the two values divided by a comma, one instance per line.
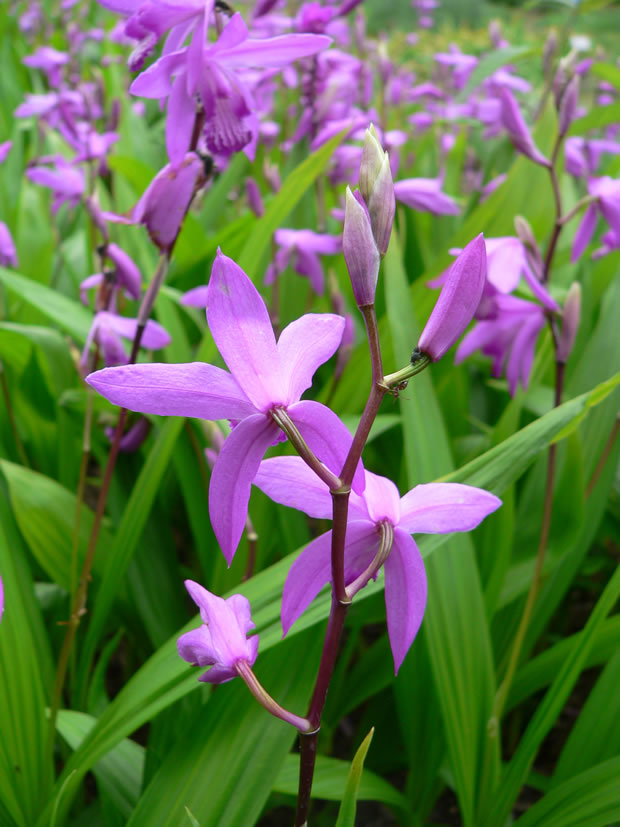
[570, 322]
[458, 300]
[254, 197]
[568, 104]
[532, 251]
[551, 45]
[377, 188]
[360, 249]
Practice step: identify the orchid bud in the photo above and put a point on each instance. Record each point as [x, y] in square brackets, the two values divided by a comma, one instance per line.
[526, 237]
[360, 249]
[513, 122]
[551, 45]
[568, 104]
[377, 188]
[221, 641]
[570, 322]
[458, 300]
[254, 197]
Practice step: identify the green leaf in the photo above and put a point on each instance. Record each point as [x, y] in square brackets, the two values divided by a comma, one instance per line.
[599, 117]
[234, 749]
[45, 513]
[595, 736]
[515, 773]
[592, 798]
[608, 72]
[541, 670]
[119, 773]
[66, 313]
[346, 814]
[120, 552]
[26, 769]
[284, 202]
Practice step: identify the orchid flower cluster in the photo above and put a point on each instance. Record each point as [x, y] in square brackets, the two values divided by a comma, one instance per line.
[260, 395]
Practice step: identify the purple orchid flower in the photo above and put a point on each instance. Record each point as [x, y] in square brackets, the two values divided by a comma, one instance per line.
[109, 329]
[606, 192]
[165, 201]
[50, 61]
[5, 148]
[425, 195]
[304, 248]
[8, 252]
[263, 376]
[66, 182]
[231, 123]
[507, 331]
[435, 508]
[221, 642]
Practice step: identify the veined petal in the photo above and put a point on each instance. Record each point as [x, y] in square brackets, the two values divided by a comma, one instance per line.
[327, 437]
[241, 328]
[584, 232]
[193, 389]
[382, 498]
[289, 481]
[405, 594]
[197, 297]
[155, 82]
[180, 120]
[305, 344]
[274, 52]
[307, 576]
[231, 480]
[522, 352]
[312, 569]
[442, 507]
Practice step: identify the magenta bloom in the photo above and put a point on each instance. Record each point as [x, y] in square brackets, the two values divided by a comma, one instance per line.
[304, 248]
[108, 330]
[165, 201]
[66, 182]
[607, 193]
[8, 253]
[457, 302]
[263, 376]
[231, 123]
[436, 508]
[221, 642]
[507, 332]
[425, 195]
[50, 61]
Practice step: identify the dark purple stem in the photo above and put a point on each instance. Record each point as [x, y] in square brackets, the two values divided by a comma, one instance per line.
[340, 599]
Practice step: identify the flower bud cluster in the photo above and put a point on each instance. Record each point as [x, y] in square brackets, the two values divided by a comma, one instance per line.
[369, 215]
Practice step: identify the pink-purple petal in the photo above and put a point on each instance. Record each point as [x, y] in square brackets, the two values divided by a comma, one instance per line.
[180, 120]
[289, 481]
[382, 499]
[405, 594]
[240, 325]
[327, 436]
[194, 389]
[443, 507]
[303, 346]
[584, 232]
[275, 52]
[231, 480]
